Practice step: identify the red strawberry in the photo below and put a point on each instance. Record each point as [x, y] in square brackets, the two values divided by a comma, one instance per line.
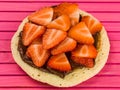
[93, 24]
[53, 37]
[42, 17]
[59, 62]
[61, 23]
[37, 53]
[31, 32]
[85, 51]
[81, 33]
[88, 62]
[67, 45]
[72, 10]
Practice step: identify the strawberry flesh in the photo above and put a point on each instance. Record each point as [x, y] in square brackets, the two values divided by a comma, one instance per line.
[53, 37]
[42, 17]
[37, 53]
[93, 24]
[85, 51]
[81, 33]
[72, 10]
[59, 62]
[61, 23]
[67, 45]
[30, 32]
[87, 62]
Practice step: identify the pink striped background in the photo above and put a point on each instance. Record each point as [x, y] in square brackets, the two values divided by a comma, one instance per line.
[11, 14]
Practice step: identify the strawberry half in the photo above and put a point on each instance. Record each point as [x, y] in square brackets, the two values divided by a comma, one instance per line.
[42, 17]
[37, 53]
[61, 23]
[59, 62]
[88, 62]
[31, 32]
[93, 24]
[85, 51]
[67, 45]
[53, 37]
[81, 33]
[72, 10]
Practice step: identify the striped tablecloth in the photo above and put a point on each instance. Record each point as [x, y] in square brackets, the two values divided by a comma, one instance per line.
[12, 12]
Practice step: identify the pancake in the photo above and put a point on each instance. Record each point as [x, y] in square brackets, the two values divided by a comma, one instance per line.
[78, 75]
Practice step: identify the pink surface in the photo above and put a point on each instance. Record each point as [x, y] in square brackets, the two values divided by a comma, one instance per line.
[12, 12]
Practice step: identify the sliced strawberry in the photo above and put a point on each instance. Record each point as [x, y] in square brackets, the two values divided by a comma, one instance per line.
[61, 23]
[74, 17]
[59, 62]
[37, 53]
[72, 10]
[53, 37]
[93, 24]
[88, 62]
[81, 33]
[36, 41]
[85, 51]
[67, 45]
[42, 17]
[31, 32]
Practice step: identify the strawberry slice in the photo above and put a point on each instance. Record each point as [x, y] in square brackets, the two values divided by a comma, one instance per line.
[93, 24]
[61, 23]
[88, 62]
[31, 32]
[72, 10]
[85, 51]
[59, 62]
[81, 33]
[37, 53]
[84, 55]
[53, 37]
[67, 45]
[42, 17]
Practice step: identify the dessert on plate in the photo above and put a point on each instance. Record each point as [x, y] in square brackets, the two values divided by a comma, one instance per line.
[60, 45]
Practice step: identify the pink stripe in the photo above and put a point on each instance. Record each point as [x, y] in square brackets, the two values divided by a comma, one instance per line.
[115, 46]
[54, 88]
[64, 0]
[9, 26]
[114, 35]
[112, 26]
[5, 45]
[25, 81]
[103, 81]
[19, 16]
[110, 70]
[114, 58]
[6, 58]
[107, 16]
[14, 69]
[25, 6]
[35, 6]
[19, 81]
[13, 16]
[6, 35]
